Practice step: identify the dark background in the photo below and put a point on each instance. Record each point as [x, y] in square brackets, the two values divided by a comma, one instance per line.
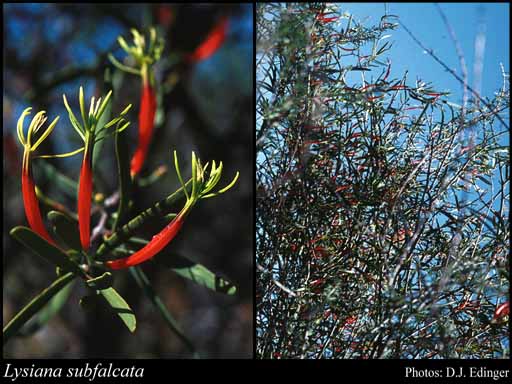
[50, 49]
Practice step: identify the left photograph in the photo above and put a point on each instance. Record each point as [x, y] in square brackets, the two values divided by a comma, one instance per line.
[128, 181]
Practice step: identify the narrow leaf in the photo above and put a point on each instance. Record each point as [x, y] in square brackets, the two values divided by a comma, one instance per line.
[101, 282]
[48, 311]
[61, 181]
[196, 272]
[120, 307]
[66, 229]
[47, 251]
[34, 306]
[123, 172]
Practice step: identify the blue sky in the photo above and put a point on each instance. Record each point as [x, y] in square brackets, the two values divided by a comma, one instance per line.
[424, 20]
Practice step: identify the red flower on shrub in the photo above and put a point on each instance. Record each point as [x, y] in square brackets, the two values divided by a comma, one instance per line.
[84, 201]
[317, 282]
[212, 43]
[28, 187]
[147, 113]
[200, 189]
[351, 320]
[321, 17]
[502, 310]
[157, 243]
[342, 188]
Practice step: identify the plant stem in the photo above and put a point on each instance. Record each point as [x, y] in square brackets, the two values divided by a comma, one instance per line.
[126, 231]
[144, 283]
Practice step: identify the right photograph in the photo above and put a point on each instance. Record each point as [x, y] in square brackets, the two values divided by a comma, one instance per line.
[382, 181]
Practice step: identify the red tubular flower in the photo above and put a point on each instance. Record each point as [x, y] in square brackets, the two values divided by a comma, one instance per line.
[212, 43]
[165, 15]
[146, 123]
[351, 320]
[88, 131]
[199, 189]
[433, 94]
[157, 243]
[145, 53]
[368, 86]
[324, 19]
[28, 190]
[84, 203]
[317, 282]
[31, 204]
[342, 188]
[502, 310]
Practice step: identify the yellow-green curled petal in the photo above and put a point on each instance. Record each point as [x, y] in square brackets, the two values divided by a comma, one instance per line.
[46, 133]
[123, 44]
[125, 111]
[81, 100]
[178, 173]
[34, 125]
[19, 127]
[103, 105]
[61, 155]
[230, 185]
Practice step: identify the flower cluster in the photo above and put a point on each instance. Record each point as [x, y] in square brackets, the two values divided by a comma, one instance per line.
[92, 127]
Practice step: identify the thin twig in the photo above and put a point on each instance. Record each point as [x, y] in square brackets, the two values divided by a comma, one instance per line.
[277, 283]
[431, 53]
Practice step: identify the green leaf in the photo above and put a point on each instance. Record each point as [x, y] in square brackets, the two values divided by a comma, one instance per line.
[101, 282]
[123, 172]
[120, 307]
[34, 306]
[48, 311]
[196, 272]
[66, 229]
[47, 251]
[59, 180]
